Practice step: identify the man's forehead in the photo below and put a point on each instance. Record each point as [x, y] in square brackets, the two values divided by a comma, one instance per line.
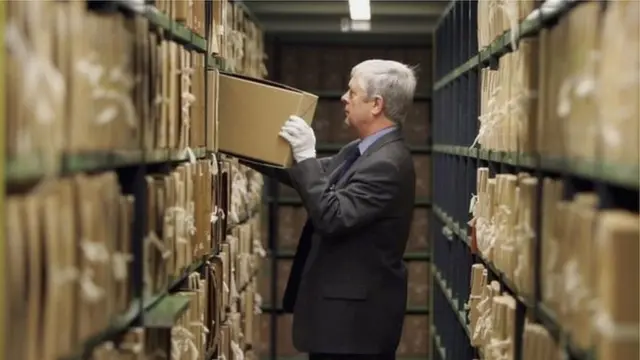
[353, 84]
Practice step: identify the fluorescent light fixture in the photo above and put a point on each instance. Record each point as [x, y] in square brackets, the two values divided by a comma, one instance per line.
[348, 25]
[359, 9]
[360, 25]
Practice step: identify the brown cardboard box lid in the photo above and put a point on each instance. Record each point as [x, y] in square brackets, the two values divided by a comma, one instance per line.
[251, 113]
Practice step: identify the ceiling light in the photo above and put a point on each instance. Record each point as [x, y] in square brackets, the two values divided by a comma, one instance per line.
[359, 9]
[348, 25]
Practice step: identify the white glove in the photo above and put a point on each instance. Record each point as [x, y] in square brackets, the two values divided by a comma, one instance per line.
[301, 138]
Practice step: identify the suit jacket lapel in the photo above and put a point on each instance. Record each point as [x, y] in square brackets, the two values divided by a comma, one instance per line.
[386, 139]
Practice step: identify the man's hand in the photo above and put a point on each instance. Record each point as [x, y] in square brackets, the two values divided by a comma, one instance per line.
[301, 138]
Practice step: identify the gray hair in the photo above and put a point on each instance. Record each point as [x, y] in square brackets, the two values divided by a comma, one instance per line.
[393, 81]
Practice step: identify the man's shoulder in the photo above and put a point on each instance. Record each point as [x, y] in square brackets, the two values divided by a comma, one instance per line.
[394, 155]
[396, 151]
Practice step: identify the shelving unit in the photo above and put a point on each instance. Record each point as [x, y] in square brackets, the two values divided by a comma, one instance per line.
[140, 313]
[537, 310]
[458, 106]
[488, 56]
[156, 306]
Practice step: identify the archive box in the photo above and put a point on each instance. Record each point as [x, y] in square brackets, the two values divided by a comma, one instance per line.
[251, 113]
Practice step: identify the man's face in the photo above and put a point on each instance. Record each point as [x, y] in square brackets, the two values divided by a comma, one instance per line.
[356, 106]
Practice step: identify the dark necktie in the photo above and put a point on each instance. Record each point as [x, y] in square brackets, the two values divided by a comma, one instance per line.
[351, 157]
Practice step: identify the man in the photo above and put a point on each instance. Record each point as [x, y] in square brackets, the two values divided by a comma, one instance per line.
[348, 285]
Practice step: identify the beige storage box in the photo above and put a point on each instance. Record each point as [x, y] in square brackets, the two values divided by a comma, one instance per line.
[251, 113]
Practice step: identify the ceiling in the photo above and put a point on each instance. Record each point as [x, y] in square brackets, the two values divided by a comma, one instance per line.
[332, 16]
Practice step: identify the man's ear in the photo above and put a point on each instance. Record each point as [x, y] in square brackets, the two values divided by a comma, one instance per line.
[378, 105]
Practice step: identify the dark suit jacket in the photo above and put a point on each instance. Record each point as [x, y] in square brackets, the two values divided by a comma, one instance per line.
[352, 297]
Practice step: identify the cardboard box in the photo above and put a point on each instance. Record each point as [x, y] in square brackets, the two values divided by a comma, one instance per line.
[251, 113]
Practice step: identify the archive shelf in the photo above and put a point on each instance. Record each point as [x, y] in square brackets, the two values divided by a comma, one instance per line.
[456, 160]
[25, 168]
[536, 310]
[248, 12]
[167, 312]
[31, 167]
[174, 30]
[177, 32]
[136, 310]
[503, 43]
[148, 309]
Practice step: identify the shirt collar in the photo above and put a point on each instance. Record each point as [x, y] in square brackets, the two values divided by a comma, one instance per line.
[365, 143]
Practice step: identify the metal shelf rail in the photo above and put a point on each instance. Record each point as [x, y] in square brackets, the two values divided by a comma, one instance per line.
[455, 126]
[611, 174]
[26, 168]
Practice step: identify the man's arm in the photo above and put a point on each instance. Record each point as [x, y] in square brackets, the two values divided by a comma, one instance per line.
[281, 175]
[358, 204]
[325, 162]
